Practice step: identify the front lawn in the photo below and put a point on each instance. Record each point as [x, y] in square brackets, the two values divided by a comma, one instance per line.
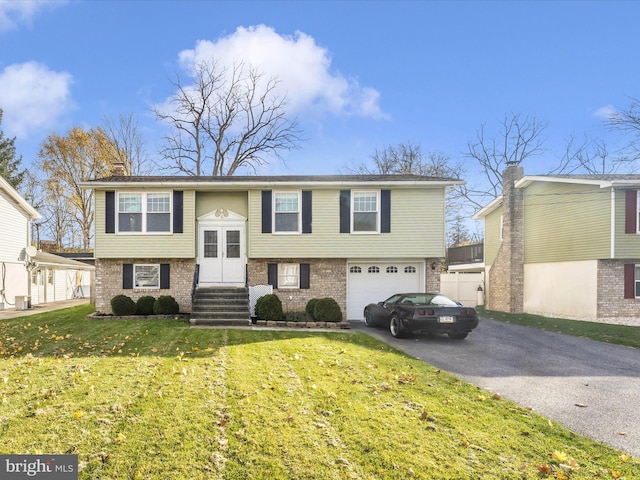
[155, 399]
[604, 332]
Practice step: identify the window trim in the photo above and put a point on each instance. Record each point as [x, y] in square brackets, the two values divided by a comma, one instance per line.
[275, 194]
[144, 212]
[353, 212]
[146, 287]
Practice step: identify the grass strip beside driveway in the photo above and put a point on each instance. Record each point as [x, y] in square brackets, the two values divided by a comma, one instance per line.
[156, 399]
[603, 332]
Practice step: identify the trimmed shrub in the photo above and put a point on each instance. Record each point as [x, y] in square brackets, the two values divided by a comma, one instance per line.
[311, 305]
[145, 305]
[123, 305]
[327, 310]
[165, 305]
[269, 307]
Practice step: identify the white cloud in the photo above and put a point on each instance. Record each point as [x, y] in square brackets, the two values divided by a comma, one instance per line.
[301, 65]
[606, 113]
[32, 97]
[14, 13]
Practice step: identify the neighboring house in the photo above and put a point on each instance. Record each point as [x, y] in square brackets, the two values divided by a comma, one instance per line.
[565, 246]
[55, 278]
[15, 236]
[357, 239]
[28, 276]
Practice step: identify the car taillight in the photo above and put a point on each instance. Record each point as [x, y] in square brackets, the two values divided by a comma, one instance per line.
[421, 312]
[430, 312]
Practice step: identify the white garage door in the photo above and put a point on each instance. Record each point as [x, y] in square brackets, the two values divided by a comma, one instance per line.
[371, 282]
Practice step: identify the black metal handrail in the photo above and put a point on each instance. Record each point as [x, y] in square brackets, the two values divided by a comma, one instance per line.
[196, 279]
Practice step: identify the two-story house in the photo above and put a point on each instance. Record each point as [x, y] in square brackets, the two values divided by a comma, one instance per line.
[564, 245]
[357, 239]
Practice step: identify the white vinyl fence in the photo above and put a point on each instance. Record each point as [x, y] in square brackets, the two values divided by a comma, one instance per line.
[462, 287]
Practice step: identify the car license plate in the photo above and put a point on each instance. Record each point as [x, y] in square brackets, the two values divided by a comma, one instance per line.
[446, 319]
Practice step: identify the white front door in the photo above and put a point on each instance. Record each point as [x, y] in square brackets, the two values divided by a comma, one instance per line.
[221, 252]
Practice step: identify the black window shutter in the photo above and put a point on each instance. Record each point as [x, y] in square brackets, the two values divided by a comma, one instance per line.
[305, 276]
[272, 274]
[345, 211]
[631, 211]
[110, 212]
[266, 211]
[165, 274]
[178, 200]
[127, 276]
[306, 211]
[629, 280]
[385, 211]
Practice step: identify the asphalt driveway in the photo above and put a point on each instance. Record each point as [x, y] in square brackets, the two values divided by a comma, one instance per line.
[590, 387]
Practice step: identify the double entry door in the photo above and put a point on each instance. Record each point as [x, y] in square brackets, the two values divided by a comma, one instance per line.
[221, 254]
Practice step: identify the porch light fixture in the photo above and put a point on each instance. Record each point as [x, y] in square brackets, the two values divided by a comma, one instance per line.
[433, 265]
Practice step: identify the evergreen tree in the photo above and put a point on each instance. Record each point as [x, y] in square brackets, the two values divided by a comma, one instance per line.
[9, 162]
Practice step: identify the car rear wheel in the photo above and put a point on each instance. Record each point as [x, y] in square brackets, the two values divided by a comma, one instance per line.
[395, 326]
[458, 335]
[368, 319]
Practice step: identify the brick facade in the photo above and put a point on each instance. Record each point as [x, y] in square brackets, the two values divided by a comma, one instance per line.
[506, 276]
[109, 282]
[328, 278]
[612, 306]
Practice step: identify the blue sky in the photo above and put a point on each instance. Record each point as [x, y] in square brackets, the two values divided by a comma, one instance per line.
[360, 75]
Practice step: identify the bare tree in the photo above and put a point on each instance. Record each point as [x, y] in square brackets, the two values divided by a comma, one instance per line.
[226, 120]
[591, 157]
[627, 121]
[126, 145]
[518, 139]
[408, 159]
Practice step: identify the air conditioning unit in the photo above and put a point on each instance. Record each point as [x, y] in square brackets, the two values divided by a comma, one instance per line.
[23, 302]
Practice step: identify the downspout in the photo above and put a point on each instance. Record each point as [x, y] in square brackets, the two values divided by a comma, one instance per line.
[613, 223]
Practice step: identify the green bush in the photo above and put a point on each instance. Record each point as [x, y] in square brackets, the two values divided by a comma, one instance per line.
[311, 305]
[165, 305]
[145, 305]
[123, 305]
[269, 307]
[327, 310]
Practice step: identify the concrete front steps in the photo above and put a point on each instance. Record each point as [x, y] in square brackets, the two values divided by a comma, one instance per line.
[221, 307]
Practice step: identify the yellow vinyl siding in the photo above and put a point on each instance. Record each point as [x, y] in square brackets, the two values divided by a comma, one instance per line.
[492, 226]
[146, 245]
[417, 229]
[566, 222]
[627, 245]
[234, 201]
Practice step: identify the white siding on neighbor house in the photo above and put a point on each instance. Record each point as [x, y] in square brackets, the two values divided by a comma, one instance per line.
[562, 289]
[14, 281]
[15, 234]
[68, 284]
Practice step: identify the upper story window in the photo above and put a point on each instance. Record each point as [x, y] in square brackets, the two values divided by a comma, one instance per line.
[286, 212]
[144, 212]
[365, 212]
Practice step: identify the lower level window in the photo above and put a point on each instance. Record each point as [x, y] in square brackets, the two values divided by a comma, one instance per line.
[146, 276]
[288, 275]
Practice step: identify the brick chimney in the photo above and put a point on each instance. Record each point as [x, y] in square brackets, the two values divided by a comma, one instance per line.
[506, 277]
[118, 169]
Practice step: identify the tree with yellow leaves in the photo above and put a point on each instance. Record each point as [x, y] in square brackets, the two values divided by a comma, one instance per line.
[71, 159]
